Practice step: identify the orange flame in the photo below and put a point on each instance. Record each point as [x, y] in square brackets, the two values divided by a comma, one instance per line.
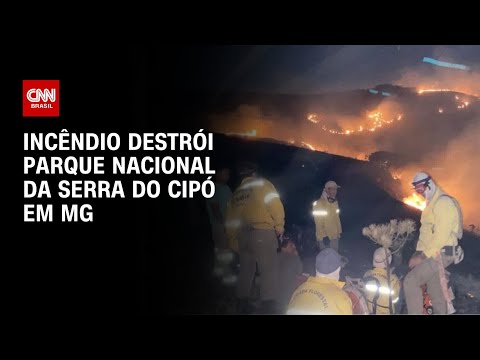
[432, 90]
[308, 145]
[396, 176]
[415, 201]
[375, 116]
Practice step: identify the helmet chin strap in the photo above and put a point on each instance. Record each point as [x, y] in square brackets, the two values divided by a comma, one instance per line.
[430, 191]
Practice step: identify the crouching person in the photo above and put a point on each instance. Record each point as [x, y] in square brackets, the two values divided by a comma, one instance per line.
[377, 287]
[322, 294]
[290, 268]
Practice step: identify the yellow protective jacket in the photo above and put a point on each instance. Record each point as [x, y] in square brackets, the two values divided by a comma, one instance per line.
[254, 204]
[376, 286]
[327, 218]
[320, 296]
[441, 224]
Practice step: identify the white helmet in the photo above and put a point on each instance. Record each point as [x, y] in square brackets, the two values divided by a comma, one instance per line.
[424, 185]
[379, 258]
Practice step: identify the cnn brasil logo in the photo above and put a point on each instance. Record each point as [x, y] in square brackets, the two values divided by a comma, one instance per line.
[41, 98]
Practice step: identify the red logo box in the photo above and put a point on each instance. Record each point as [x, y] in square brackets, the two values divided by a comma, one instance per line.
[41, 98]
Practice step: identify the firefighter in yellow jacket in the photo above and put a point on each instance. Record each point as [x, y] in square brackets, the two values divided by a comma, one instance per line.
[255, 220]
[377, 286]
[326, 214]
[322, 294]
[437, 248]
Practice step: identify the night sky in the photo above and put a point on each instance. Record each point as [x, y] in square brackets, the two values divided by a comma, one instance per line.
[309, 69]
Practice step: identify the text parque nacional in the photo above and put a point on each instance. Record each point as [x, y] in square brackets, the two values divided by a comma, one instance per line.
[121, 165]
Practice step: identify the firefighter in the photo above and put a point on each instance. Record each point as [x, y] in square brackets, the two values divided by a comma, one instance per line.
[216, 207]
[290, 269]
[326, 214]
[322, 294]
[254, 222]
[378, 288]
[437, 248]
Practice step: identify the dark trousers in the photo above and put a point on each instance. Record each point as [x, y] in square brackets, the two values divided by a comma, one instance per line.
[258, 247]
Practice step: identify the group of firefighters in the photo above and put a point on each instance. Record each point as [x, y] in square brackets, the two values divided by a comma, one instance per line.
[250, 222]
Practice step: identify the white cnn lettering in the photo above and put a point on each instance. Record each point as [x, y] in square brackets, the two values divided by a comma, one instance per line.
[37, 95]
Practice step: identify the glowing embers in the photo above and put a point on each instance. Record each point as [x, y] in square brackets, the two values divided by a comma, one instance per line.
[376, 121]
[423, 91]
[312, 118]
[461, 103]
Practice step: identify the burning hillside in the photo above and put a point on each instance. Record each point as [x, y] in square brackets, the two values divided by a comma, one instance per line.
[374, 121]
[435, 128]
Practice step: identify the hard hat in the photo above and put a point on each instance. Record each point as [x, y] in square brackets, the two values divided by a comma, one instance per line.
[421, 177]
[379, 258]
[331, 184]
